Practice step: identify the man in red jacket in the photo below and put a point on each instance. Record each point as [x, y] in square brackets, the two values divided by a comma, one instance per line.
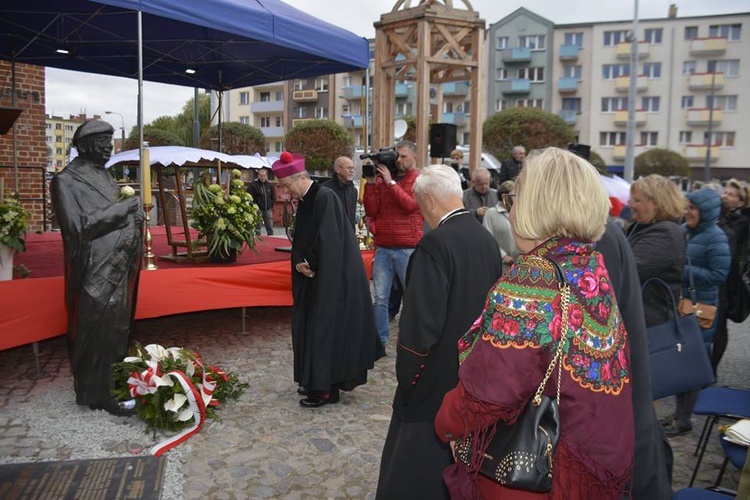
[396, 226]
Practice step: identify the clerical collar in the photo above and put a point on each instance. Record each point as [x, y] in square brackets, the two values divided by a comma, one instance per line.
[306, 191]
[449, 215]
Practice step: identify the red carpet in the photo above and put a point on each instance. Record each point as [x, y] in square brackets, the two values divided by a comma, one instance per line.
[34, 309]
[44, 258]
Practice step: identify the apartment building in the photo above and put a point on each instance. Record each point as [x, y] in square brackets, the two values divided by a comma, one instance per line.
[690, 79]
[58, 134]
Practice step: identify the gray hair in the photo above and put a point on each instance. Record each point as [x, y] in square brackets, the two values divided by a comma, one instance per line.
[439, 181]
[480, 170]
[407, 144]
[517, 149]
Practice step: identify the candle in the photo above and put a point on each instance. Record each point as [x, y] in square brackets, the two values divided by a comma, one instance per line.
[146, 177]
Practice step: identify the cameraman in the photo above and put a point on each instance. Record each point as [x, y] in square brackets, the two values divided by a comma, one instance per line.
[396, 226]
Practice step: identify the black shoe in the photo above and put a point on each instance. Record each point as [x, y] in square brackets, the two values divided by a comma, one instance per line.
[666, 421]
[302, 391]
[318, 400]
[675, 430]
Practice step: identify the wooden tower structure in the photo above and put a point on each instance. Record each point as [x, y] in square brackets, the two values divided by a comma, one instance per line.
[431, 42]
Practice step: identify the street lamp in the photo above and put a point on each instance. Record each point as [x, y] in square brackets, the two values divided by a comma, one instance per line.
[122, 128]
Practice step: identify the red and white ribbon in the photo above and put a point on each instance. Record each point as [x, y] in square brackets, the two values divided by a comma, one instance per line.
[197, 402]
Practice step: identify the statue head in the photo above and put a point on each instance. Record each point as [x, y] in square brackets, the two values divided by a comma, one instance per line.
[93, 140]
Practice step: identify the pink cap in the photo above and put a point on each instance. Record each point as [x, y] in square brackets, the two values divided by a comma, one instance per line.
[288, 164]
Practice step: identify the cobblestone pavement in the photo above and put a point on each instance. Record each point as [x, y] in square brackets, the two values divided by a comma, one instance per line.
[266, 445]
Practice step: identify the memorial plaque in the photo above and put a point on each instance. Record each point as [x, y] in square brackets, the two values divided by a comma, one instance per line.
[132, 478]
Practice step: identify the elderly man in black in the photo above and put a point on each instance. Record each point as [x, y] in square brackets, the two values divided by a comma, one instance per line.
[342, 183]
[264, 196]
[102, 243]
[511, 167]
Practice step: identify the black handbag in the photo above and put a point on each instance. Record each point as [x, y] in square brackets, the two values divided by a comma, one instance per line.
[679, 358]
[521, 455]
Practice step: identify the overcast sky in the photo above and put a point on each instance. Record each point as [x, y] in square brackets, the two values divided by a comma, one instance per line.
[73, 92]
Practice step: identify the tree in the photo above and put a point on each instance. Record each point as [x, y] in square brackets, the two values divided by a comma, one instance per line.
[528, 127]
[236, 139]
[154, 135]
[183, 123]
[598, 162]
[661, 161]
[320, 142]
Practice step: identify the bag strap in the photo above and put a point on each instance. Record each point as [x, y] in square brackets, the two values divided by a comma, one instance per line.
[564, 303]
[691, 283]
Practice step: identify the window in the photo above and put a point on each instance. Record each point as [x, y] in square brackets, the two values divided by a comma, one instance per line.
[279, 96]
[731, 32]
[346, 81]
[265, 97]
[68, 140]
[615, 37]
[652, 70]
[612, 71]
[403, 109]
[502, 42]
[574, 39]
[49, 140]
[730, 67]
[447, 107]
[502, 74]
[724, 102]
[572, 71]
[652, 35]
[299, 85]
[725, 139]
[58, 126]
[650, 104]
[321, 112]
[572, 104]
[533, 74]
[321, 84]
[530, 103]
[58, 138]
[346, 110]
[686, 137]
[279, 121]
[245, 120]
[649, 138]
[265, 121]
[691, 32]
[687, 101]
[612, 104]
[534, 42]
[611, 138]
[69, 128]
[300, 112]
[278, 146]
[501, 104]
[244, 97]
[467, 107]
[49, 126]
[688, 67]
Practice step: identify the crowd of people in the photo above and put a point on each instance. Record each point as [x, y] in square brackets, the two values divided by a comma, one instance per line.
[531, 288]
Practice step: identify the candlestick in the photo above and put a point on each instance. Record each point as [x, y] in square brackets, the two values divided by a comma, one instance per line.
[146, 177]
[150, 266]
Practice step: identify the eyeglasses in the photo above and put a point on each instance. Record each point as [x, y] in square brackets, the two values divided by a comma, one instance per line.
[507, 200]
[285, 185]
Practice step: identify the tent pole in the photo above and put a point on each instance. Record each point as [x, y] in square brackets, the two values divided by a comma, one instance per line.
[196, 119]
[13, 103]
[140, 102]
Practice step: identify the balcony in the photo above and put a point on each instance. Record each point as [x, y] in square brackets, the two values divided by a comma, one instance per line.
[697, 153]
[621, 117]
[517, 86]
[623, 50]
[267, 106]
[297, 121]
[402, 90]
[618, 152]
[567, 85]
[708, 46]
[458, 119]
[272, 131]
[353, 92]
[305, 95]
[703, 81]
[622, 83]
[700, 116]
[352, 121]
[516, 55]
[455, 88]
[569, 52]
[569, 115]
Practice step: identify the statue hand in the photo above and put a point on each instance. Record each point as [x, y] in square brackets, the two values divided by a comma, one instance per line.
[132, 204]
[139, 216]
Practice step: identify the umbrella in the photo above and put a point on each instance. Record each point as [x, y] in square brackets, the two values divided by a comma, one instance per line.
[167, 156]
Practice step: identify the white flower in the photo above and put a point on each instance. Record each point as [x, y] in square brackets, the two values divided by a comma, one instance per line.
[156, 352]
[126, 192]
[175, 403]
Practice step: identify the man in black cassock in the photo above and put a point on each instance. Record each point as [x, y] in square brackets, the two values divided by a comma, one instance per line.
[333, 327]
[102, 242]
[342, 183]
[449, 274]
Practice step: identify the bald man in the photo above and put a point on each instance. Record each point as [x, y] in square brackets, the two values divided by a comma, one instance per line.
[342, 183]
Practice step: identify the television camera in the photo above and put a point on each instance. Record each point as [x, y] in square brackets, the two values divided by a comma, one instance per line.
[384, 156]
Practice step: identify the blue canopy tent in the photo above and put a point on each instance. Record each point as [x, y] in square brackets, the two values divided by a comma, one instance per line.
[216, 44]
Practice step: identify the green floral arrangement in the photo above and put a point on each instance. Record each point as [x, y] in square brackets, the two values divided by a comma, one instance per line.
[224, 215]
[172, 386]
[13, 222]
